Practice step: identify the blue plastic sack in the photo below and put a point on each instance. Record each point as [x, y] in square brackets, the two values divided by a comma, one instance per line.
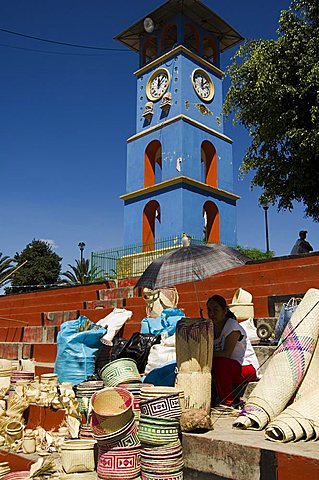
[77, 350]
[284, 316]
[165, 323]
[164, 375]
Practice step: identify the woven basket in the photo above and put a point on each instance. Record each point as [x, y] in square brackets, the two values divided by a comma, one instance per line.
[158, 431]
[162, 476]
[168, 406]
[78, 456]
[126, 437]
[112, 409]
[122, 370]
[197, 389]
[194, 345]
[163, 459]
[286, 368]
[119, 463]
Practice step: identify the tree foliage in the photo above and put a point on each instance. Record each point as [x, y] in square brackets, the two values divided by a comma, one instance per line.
[274, 93]
[81, 273]
[43, 267]
[255, 253]
[6, 269]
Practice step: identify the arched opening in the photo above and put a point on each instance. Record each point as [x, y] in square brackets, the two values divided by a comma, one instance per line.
[153, 163]
[169, 37]
[211, 222]
[191, 39]
[150, 50]
[209, 50]
[209, 164]
[151, 215]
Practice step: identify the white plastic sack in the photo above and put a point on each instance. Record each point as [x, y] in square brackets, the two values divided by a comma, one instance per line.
[114, 321]
[161, 353]
[251, 330]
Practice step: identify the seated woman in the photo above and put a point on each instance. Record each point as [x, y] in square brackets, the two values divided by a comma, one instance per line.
[234, 360]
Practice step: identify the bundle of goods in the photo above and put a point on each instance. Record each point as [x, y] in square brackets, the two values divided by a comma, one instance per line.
[194, 356]
[115, 431]
[161, 453]
[20, 378]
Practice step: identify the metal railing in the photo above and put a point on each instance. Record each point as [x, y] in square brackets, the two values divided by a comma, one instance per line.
[132, 260]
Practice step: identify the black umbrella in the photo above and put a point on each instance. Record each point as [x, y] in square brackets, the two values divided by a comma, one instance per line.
[190, 263]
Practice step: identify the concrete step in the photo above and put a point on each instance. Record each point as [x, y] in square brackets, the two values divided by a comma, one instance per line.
[40, 352]
[228, 454]
[28, 334]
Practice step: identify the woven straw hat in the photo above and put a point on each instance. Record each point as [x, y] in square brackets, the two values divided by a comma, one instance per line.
[242, 305]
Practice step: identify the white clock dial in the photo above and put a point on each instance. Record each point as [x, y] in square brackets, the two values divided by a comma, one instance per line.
[203, 85]
[157, 84]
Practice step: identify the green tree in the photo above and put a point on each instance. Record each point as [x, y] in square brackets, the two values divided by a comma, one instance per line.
[6, 269]
[43, 267]
[274, 94]
[81, 273]
[255, 253]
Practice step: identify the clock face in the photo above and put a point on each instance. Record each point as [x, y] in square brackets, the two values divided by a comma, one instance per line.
[203, 85]
[157, 84]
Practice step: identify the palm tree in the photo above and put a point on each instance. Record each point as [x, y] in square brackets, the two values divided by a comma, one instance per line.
[81, 273]
[6, 269]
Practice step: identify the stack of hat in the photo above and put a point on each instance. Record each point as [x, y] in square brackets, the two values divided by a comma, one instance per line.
[115, 430]
[4, 469]
[242, 305]
[20, 377]
[84, 392]
[161, 452]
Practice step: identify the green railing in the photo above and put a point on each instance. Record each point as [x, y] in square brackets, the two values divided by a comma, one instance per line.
[132, 260]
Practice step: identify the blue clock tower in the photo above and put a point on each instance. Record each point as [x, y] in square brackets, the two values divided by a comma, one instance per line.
[179, 161]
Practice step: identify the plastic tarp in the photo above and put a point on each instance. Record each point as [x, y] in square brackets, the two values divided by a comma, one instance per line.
[165, 323]
[78, 343]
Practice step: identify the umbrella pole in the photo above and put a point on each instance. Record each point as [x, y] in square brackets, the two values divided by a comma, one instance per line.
[198, 301]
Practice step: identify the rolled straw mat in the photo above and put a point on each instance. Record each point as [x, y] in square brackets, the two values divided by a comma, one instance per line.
[286, 368]
[300, 421]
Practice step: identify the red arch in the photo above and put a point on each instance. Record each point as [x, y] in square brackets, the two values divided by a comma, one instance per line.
[151, 212]
[150, 49]
[169, 37]
[191, 38]
[209, 157]
[209, 50]
[152, 155]
[213, 224]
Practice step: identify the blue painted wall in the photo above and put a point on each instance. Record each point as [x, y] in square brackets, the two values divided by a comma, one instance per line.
[181, 211]
[181, 205]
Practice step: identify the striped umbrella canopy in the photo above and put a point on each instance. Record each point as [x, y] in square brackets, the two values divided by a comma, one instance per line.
[190, 263]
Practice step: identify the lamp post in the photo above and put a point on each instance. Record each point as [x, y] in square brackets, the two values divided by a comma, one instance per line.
[81, 247]
[265, 207]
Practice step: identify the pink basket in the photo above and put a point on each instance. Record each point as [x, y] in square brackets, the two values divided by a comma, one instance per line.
[112, 409]
[119, 463]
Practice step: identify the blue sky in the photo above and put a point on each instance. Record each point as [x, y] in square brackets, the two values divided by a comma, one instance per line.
[66, 114]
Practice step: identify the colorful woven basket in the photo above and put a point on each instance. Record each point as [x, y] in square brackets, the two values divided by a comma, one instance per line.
[119, 463]
[112, 409]
[164, 459]
[126, 437]
[158, 431]
[162, 476]
[167, 406]
[122, 370]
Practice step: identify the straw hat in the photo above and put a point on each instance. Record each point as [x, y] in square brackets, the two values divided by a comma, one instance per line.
[242, 305]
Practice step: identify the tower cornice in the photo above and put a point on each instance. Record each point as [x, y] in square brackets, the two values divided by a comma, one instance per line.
[178, 181]
[184, 118]
[172, 53]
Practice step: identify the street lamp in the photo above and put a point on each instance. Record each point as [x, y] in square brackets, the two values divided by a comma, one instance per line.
[265, 207]
[81, 247]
